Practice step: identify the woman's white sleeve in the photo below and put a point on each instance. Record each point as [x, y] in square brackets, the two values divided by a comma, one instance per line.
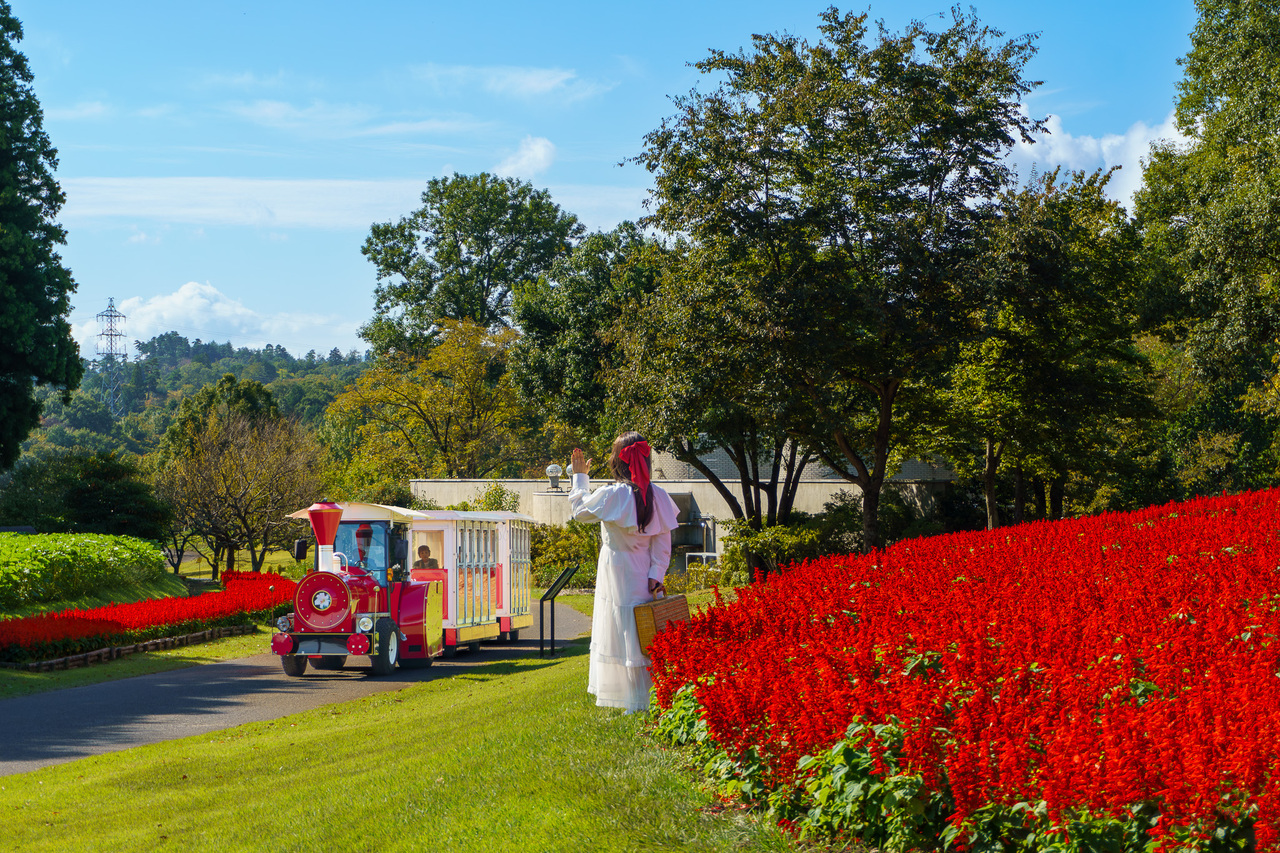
[604, 504]
[659, 555]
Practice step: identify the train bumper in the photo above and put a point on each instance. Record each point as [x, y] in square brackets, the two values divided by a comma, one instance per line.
[321, 644]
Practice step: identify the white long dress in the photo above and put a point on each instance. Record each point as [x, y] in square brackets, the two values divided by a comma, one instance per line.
[619, 674]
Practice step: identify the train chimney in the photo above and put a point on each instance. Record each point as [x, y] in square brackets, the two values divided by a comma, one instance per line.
[324, 516]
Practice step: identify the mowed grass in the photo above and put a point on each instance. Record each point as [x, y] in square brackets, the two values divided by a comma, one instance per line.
[510, 756]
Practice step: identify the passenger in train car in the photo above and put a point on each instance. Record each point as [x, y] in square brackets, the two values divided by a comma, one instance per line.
[425, 560]
[636, 519]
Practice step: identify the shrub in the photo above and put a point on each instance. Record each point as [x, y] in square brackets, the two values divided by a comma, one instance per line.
[494, 497]
[57, 567]
[836, 530]
[555, 548]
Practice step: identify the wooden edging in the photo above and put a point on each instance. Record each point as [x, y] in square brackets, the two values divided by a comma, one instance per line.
[113, 652]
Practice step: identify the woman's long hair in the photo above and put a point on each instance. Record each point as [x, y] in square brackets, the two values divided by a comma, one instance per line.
[622, 473]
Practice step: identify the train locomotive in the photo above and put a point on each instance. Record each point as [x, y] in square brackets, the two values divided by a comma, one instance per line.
[404, 586]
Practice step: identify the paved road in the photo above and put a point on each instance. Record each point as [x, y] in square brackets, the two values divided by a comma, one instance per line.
[63, 725]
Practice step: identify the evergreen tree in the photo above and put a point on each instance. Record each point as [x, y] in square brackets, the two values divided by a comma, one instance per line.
[36, 346]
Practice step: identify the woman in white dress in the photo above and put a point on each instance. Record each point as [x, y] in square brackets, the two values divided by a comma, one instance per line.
[636, 519]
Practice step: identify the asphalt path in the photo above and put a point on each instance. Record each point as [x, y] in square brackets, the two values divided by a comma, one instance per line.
[62, 725]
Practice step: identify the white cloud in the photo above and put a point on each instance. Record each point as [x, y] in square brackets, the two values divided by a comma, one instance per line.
[1059, 148]
[197, 310]
[520, 82]
[425, 126]
[534, 156]
[149, 204]
[263, 202]
[317, 117]
[85, 110]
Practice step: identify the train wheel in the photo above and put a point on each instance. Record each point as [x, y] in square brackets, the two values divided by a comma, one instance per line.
[474, 648]
[384, 660]
[330, 662]
[513, 636]
[294, 665]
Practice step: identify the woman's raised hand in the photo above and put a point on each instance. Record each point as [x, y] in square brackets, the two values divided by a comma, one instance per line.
[578, 462]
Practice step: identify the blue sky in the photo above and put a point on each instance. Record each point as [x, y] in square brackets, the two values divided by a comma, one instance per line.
[223, 161]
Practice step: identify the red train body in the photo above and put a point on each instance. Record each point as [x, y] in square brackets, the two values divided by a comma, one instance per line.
[363, 599]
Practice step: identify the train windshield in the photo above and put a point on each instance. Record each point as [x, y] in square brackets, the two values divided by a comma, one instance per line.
[365, 544]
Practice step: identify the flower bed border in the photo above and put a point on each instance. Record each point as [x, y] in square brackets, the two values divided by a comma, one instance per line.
[114, 652]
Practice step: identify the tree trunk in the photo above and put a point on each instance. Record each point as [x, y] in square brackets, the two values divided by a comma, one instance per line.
[1056, 490]
[1038, 494]
[871, 518]
[1019, 494]
[989, 484]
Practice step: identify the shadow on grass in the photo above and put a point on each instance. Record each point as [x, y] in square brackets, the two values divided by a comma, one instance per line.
[62, 725]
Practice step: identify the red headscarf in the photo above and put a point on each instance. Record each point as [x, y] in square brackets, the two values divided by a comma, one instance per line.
[636, 456]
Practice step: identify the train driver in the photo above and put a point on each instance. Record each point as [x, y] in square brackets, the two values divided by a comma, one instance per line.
[371, 555]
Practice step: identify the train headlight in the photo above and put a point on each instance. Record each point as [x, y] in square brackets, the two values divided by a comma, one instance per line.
[364, 624]
[285, 623]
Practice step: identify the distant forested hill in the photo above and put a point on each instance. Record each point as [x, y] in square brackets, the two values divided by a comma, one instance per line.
[168, 369]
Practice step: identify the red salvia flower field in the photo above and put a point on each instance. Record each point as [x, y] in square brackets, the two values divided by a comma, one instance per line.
[1091, 664]
[246, 592]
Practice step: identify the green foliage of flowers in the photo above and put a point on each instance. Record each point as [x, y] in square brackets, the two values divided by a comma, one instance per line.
[60, 566]
[859, 791]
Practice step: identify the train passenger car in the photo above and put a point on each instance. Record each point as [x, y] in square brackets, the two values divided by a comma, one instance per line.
[404, 586]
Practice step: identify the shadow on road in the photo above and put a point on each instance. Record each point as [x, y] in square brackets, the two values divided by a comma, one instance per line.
[63, 725]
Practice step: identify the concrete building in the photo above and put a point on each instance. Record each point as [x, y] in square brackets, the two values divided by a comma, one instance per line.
[702, 507]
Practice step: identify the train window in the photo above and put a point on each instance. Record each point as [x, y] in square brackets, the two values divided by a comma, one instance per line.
[365, 544]
[433, 556]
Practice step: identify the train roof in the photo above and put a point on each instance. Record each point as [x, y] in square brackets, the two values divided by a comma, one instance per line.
[357, 511]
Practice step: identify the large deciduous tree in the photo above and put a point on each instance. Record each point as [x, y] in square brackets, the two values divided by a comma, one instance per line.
[474, 242]
[565, 353]
[1055, 362]
[1209, 211]
[36, 346]
[236, 481]
[454, 413]
[838, 192]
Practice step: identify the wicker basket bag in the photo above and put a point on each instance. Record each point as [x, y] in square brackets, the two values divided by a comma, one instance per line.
[653, 616]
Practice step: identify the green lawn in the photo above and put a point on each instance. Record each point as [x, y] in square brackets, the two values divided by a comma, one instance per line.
[511, 756]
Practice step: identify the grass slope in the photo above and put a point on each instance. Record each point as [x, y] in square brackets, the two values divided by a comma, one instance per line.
[511, 756]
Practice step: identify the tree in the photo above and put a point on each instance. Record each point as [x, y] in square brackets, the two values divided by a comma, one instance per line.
[83, 493]
[839, 193]
[36, 346]
[1209, 211]
[461, 256]
[564, 353]
[1055, 362]
[452, 414]
[688, 377]
[237, 480]
[217, 400]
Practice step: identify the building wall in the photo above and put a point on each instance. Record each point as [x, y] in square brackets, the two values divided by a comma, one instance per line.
[698, 500]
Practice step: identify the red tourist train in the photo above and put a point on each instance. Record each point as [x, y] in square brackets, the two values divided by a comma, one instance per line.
[404, 586]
